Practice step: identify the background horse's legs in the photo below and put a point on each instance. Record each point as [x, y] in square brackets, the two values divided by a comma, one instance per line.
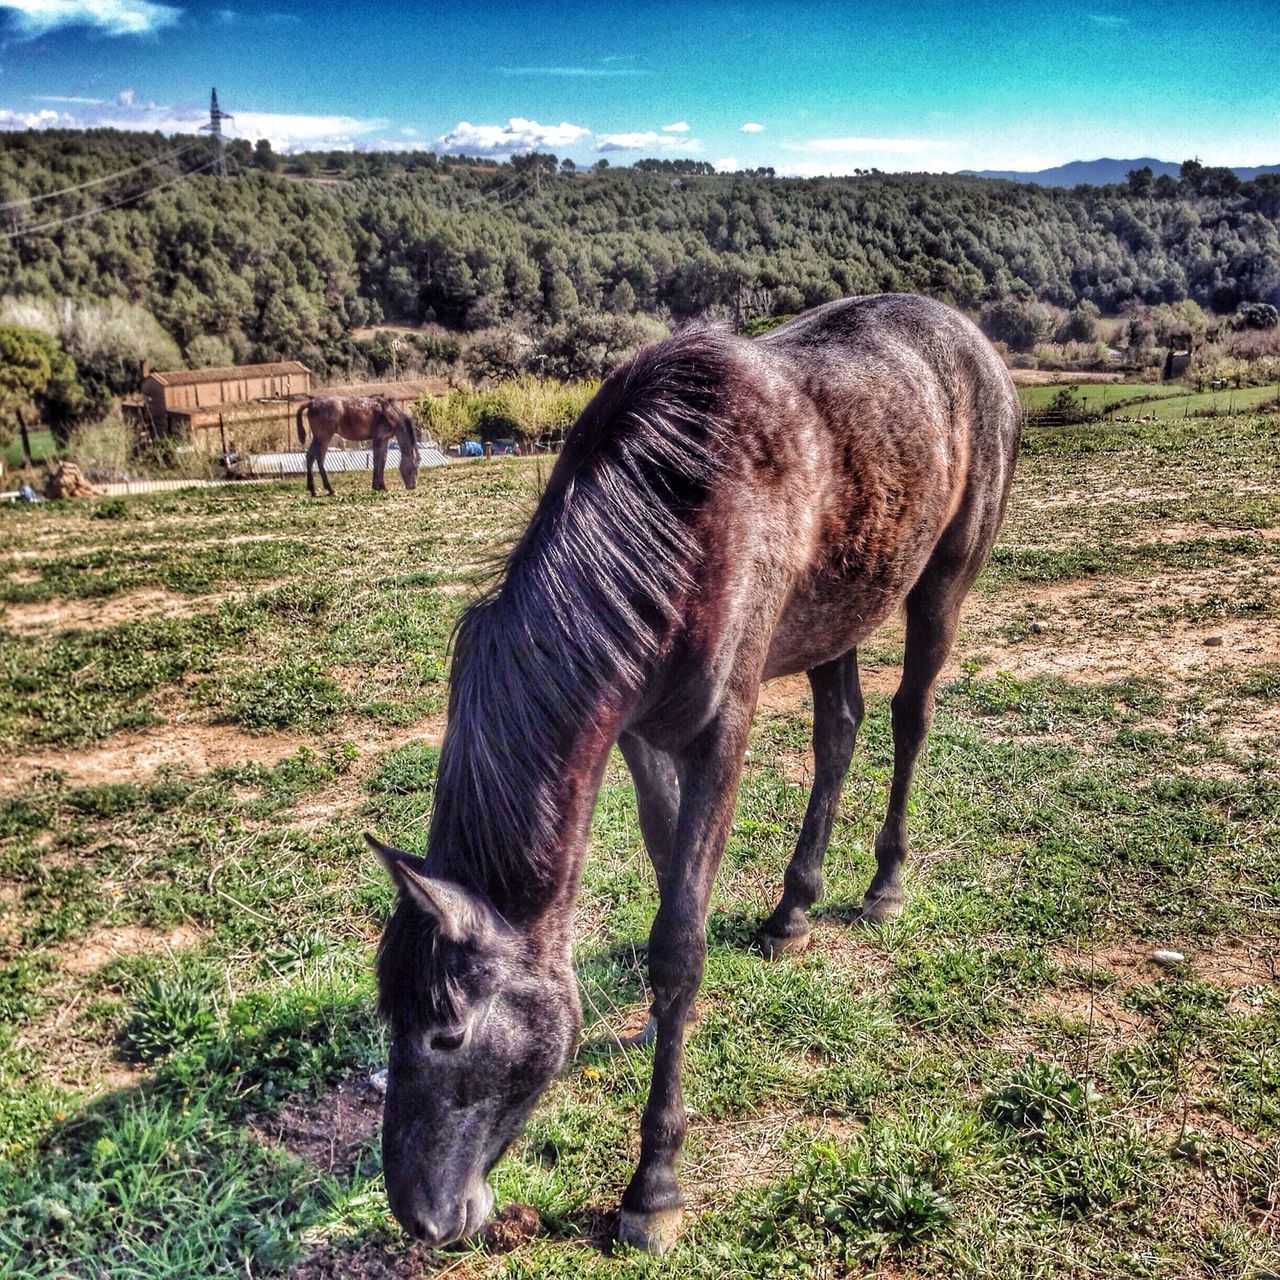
[837, 712]
[933, 609]
[379, 461]
[652, 1205]
[322, 447]
[311, 458]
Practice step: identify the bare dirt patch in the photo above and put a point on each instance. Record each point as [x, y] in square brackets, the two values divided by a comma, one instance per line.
[1110, 1024]
[129, 757]
[1232, 963]
[96, 612]
[381, 1260]
[328, 1131]
[104, 945]
[1064, 648]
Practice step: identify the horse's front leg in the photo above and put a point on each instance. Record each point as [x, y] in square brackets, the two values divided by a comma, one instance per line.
[652, 1205]
[379, 462]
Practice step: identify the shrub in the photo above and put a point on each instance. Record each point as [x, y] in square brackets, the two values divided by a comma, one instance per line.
[170, 1012]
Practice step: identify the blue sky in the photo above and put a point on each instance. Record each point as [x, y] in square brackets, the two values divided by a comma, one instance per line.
[804, 87]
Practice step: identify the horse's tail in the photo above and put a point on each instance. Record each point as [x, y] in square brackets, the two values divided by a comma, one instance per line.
[302, 431]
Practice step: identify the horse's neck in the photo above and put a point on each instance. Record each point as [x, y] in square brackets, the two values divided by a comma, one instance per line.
[539, 886]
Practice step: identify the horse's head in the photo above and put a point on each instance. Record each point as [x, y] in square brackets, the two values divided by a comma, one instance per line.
[479, 1028]
[407, 438]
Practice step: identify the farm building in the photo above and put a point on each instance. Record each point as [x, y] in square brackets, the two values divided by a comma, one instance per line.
[406, 394]
[180, 399]
[239, 408]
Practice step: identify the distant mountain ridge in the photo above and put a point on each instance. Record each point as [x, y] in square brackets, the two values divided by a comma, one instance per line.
[1102, 171]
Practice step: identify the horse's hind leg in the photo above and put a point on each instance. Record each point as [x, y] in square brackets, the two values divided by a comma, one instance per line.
[933, 610]
[311, 458]
[837, 712]
[321, 450]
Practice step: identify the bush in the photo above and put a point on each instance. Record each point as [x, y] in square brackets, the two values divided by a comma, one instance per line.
[170, 1012]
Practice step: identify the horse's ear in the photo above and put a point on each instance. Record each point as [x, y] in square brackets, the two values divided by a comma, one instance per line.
[461, 916]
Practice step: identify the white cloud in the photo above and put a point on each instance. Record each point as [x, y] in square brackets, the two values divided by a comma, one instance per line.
[125, 97]
[70, 99]
[751, 127]
[640, 139]
[46, 119]
[585, 73]
[290, 132]
[517, 134]
[680, 126]
[1108, 20]
[110, 17]
[727, 164]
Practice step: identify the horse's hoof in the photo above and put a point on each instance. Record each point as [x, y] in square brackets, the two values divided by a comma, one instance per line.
[642, 1038]
[880, 909]
[774, 947]
[655, 1233]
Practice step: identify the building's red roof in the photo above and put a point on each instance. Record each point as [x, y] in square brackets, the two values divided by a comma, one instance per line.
[227, 373]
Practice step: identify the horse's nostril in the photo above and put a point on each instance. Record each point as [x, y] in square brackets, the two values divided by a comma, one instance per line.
[426, 1229]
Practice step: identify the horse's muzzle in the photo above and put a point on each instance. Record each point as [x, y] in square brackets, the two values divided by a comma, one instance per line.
[441, 1228]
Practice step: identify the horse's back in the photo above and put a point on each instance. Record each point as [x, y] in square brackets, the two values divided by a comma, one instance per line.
[897, 429]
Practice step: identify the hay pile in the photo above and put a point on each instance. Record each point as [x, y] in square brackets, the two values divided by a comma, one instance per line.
[66, 480]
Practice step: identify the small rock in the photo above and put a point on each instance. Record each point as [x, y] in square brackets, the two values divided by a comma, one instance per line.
[378, 1080]
[1036, 627]
[1166, 957]
[511, 1226]
[1213, 642]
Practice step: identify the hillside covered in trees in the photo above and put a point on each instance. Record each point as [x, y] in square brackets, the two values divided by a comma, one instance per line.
[289, 256]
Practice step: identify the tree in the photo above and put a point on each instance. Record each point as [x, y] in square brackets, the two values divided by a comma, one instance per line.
[1020, 325]
[36, 374]
[1080, 325]
[1141, 180]
[264, 157]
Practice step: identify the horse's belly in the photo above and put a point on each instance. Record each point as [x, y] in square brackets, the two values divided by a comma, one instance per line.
[821, 623]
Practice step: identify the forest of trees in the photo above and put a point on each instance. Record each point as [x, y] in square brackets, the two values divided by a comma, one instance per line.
[560, 270]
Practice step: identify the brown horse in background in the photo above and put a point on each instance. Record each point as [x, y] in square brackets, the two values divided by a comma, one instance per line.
[374, 418]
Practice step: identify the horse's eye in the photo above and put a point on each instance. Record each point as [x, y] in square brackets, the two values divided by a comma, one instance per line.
[446, 1040]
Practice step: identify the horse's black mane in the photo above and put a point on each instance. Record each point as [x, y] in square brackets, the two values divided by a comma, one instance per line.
[582, 606]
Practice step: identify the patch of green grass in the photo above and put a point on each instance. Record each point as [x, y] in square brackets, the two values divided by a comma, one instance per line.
[295, 693]
[106, 571]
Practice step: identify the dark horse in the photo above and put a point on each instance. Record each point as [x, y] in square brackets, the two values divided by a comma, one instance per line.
[374, 418]
[724, 512]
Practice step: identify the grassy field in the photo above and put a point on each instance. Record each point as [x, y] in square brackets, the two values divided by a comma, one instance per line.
[41, 448]
[208, 695]
[1161, 399]
[1096, 394]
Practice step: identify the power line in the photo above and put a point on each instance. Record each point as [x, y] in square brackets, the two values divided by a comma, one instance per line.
[96, 182]
[105, 208]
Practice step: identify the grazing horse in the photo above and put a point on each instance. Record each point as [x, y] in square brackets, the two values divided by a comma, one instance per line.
[374, 418]
[724, 512]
